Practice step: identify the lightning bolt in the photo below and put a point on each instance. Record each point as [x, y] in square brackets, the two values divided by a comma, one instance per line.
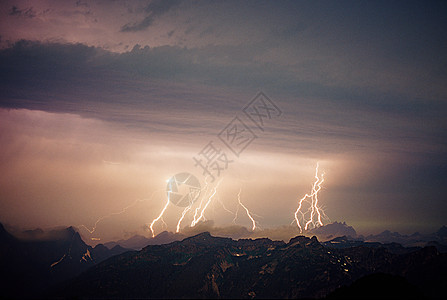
[198, 217]
[235, 214]
[246, 210]
[122, 211]
[91, 231]
[166, 206]
[185, 211]
[224, 207]
[196, 213]
[202, 200]
[314, 208]
[160, 216]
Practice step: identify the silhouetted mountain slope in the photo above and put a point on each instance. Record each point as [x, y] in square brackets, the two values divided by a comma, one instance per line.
[378, 286]
[30, 266]
[204, 266]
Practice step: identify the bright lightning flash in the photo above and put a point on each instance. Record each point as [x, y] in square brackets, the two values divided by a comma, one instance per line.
[166, 206]
[188, 208]
[197, 216]
[246, 210]
[315, 210]
[160, 216]
[185, 211]
[199, 212]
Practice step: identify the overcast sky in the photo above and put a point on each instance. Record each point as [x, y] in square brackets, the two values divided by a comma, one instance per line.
[101, 102]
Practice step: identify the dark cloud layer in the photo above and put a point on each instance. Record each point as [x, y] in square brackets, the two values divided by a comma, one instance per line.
[153, 10]
[26, 12]
[36, 67]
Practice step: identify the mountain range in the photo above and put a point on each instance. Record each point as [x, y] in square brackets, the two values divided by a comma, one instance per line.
[204, 266]
[58, 263]
[137, 242]
[324, 233]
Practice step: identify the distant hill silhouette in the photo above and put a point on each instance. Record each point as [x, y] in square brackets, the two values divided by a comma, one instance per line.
[29, 266]
[138, 242]
[442, 232]
[332, 230]
[438, 239]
